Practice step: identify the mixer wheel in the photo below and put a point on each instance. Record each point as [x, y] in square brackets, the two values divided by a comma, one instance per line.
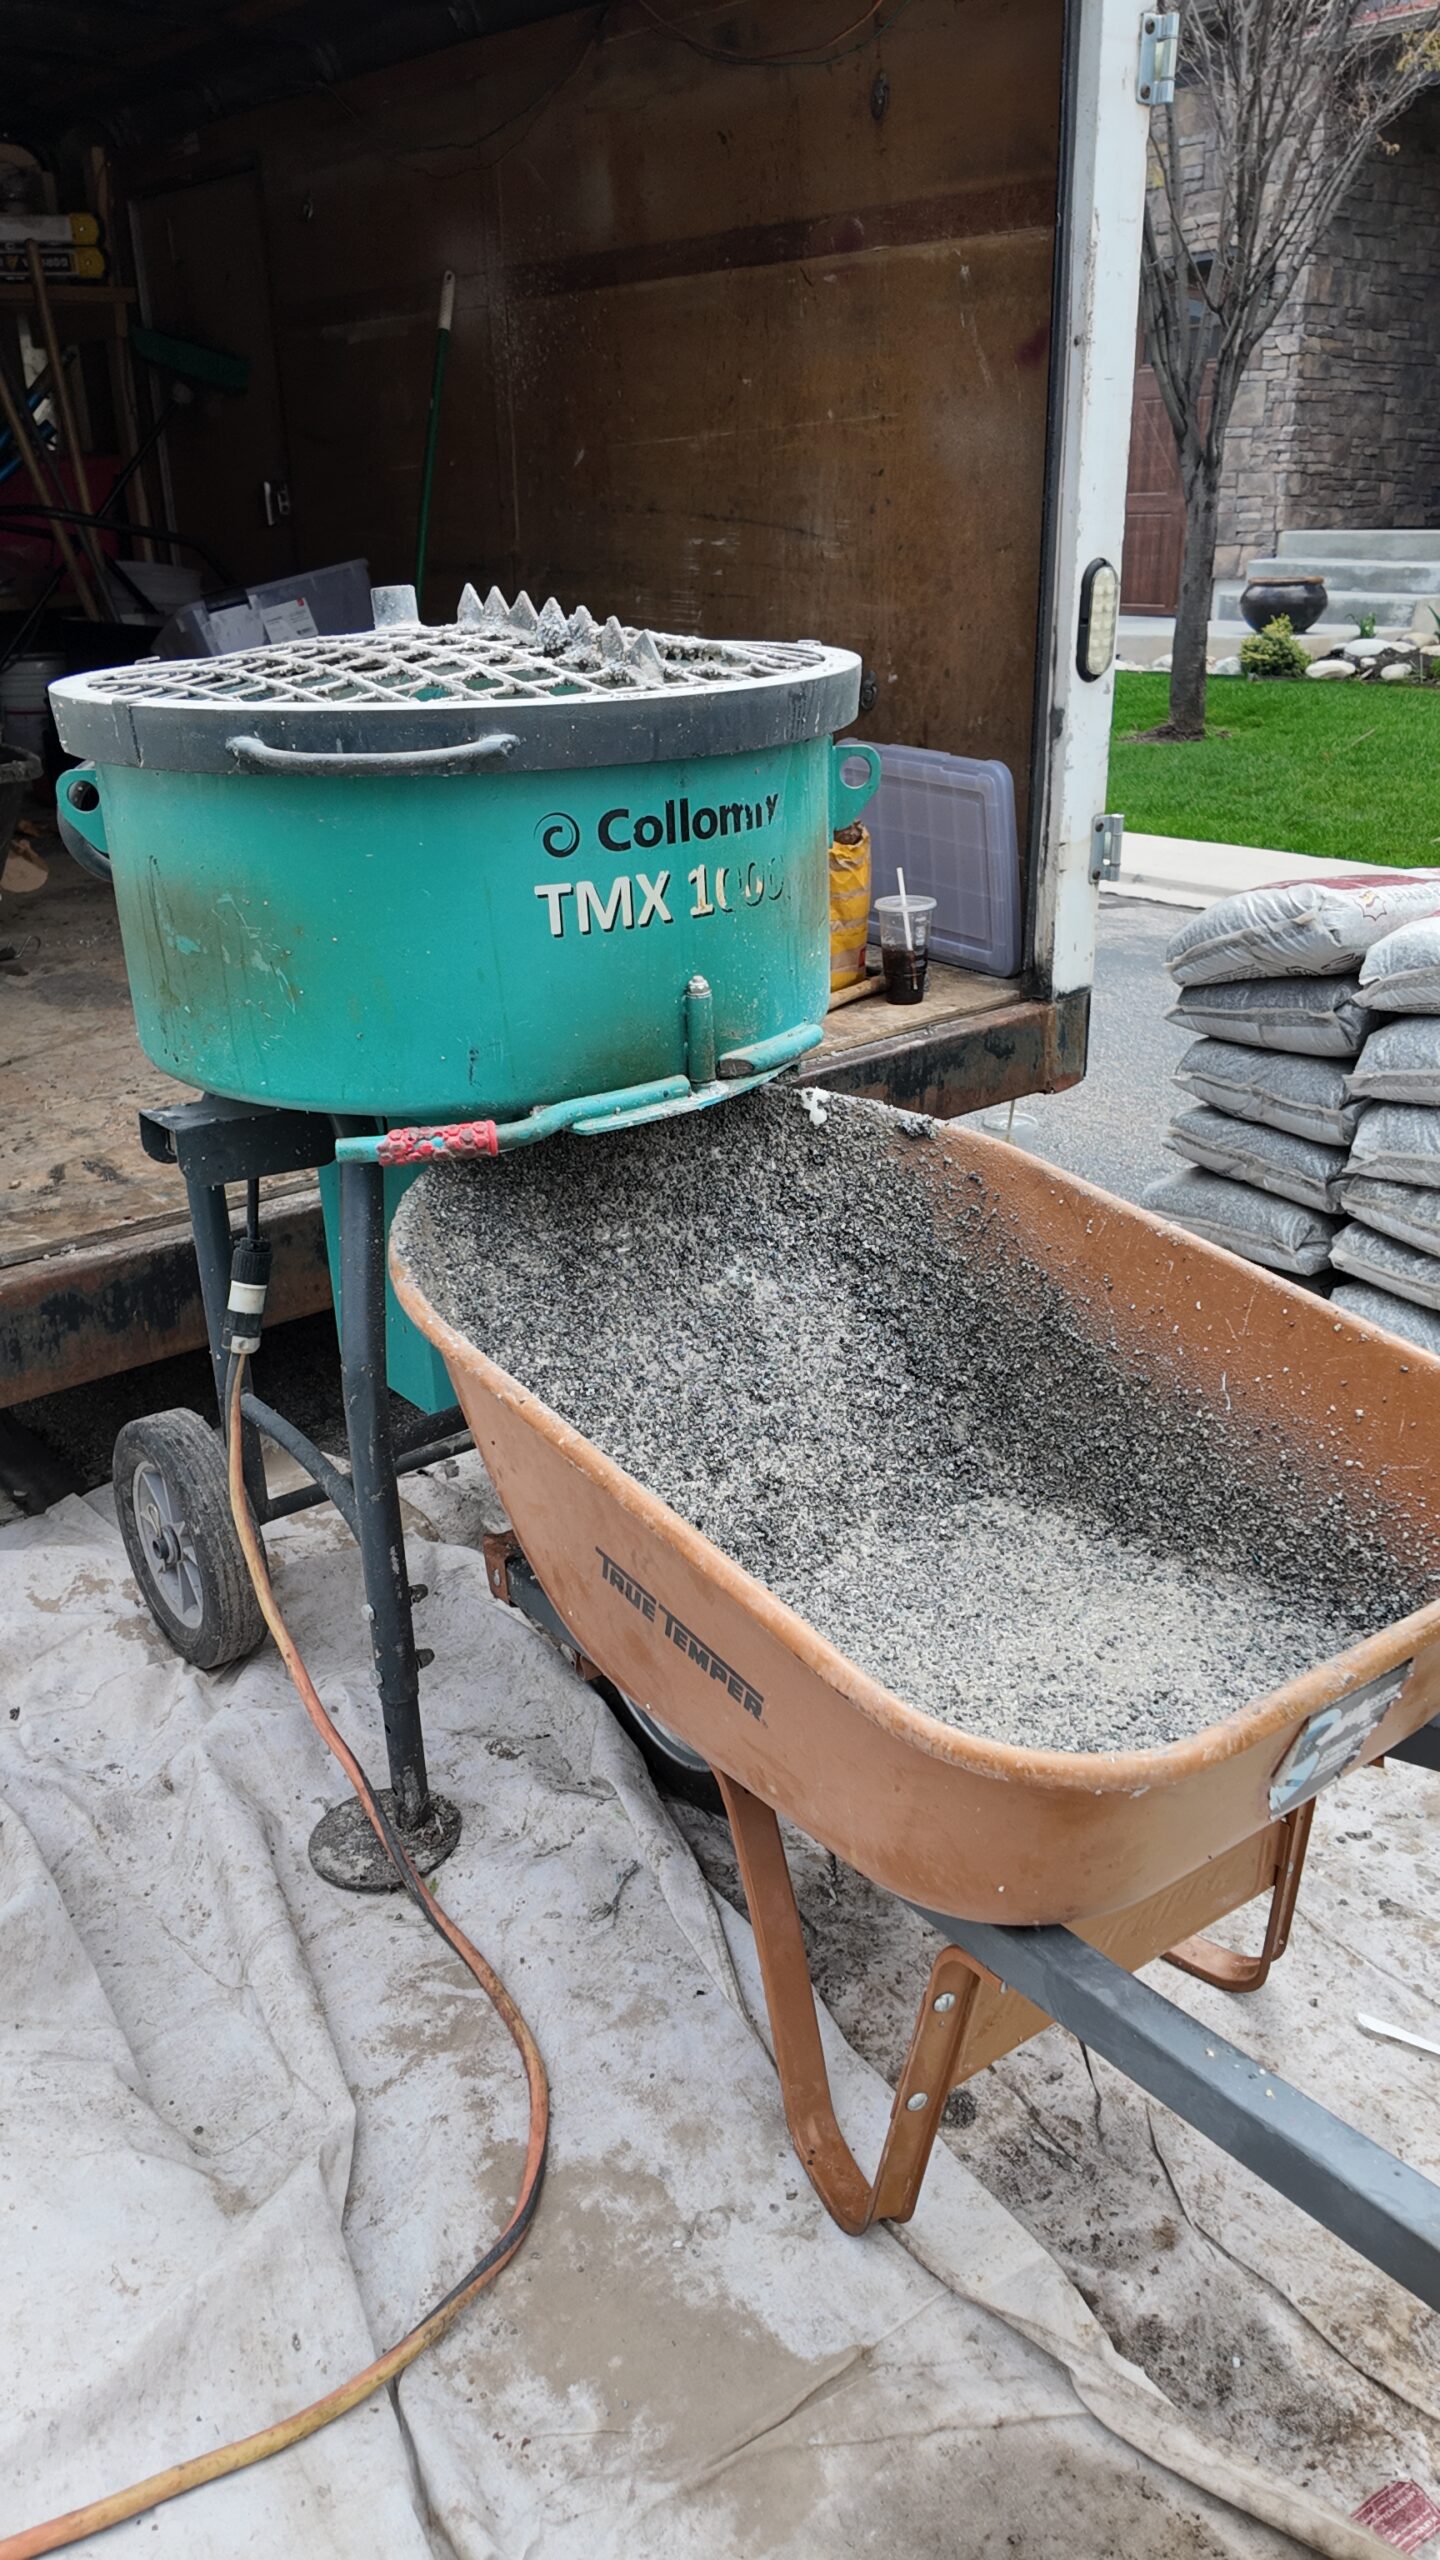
[173, 1504]
[676, 1768]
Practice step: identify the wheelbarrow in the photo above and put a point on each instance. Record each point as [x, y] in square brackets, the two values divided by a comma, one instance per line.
[1053, 1876]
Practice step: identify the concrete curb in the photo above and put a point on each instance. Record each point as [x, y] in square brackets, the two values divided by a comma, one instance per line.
[1184, 871]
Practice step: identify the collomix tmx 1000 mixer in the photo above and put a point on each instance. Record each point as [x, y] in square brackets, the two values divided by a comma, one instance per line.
[515, 875]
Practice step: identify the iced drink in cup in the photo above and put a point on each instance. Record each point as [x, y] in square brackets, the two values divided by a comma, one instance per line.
[904, 946]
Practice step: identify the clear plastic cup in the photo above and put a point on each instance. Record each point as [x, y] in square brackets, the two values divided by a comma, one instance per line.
[904, 946]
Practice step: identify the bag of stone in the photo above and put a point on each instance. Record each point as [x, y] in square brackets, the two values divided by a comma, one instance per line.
[1271, 1159]
[1307, 1096]
[1258, 1228]
[1398, 1142]
[1304, 928]
[1400, 1209]
[1395, 1315]
[1310, 1017]
[1400, 1062]
[1401, 972]
[1387, 1264]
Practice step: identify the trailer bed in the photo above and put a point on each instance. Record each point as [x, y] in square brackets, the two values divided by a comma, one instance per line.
[97, 1268]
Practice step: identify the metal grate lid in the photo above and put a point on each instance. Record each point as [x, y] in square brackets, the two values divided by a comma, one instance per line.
[502, 684]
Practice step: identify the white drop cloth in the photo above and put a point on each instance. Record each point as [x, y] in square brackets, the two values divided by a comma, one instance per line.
[250, 2126]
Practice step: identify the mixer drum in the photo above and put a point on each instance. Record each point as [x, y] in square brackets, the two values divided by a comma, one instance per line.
[430, 873]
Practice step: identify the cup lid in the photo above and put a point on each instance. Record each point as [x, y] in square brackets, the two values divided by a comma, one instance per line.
[912, 904]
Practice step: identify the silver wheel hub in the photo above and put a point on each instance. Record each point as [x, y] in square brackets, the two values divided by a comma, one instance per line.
[168, 1543]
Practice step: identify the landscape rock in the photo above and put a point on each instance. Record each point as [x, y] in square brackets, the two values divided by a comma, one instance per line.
[1161, 666]
[1399, 672]
[1227, 667]
[1360, 650]
[1323, 670]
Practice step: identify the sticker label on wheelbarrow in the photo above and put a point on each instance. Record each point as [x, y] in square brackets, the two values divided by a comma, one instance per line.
[1328, 1741]
[684, 1638]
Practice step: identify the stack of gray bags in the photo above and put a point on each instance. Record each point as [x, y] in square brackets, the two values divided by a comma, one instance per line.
[1283, 991]
[1389, 1254]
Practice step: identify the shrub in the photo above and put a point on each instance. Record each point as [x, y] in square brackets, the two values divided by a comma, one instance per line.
[1275, 651]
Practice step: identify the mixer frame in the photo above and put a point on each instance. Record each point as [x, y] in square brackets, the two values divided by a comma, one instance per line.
[214, 1144]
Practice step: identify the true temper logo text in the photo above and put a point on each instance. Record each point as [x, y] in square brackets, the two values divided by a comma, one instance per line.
[682, 1637]
[681, 822]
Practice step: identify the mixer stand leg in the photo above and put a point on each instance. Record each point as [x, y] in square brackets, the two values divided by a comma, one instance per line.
[931, 2066]
[343, 1848]
[1220, 1966]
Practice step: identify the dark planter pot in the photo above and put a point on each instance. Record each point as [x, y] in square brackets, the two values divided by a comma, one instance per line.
[1304, 599]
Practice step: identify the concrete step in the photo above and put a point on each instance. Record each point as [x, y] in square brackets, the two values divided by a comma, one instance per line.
[1342, 576]
[1392, 612]
[1348, 543]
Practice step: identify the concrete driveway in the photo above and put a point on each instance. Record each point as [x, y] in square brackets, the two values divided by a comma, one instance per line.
[1112, 1127]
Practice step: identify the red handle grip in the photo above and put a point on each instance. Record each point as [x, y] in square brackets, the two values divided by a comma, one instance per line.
[425, 1146]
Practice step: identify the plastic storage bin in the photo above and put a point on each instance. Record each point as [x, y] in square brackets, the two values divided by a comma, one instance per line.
[948, 822]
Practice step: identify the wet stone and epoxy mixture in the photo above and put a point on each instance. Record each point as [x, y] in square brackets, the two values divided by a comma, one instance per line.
[929, 1452]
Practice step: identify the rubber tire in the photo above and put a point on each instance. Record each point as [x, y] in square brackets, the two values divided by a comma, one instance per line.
[191, 1457]
[674, 1771]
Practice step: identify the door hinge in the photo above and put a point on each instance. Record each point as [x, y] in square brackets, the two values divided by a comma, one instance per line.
[1107, 834]
[1159, 47]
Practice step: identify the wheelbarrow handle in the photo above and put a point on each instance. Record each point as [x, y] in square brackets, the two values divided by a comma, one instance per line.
[253, 755]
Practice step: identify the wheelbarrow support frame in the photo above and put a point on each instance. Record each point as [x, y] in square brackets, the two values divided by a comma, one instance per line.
[1385, 2211]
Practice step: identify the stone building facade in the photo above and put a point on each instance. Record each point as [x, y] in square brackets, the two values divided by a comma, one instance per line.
[1337, 423]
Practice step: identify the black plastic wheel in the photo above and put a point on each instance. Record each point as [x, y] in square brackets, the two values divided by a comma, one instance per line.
[677, 1769]
[173, 1504]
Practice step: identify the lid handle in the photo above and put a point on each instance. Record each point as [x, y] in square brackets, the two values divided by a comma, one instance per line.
[252, 755]
[81, 820]
[847, 799]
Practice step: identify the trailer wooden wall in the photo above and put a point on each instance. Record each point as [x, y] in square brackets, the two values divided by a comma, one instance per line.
[733, 350]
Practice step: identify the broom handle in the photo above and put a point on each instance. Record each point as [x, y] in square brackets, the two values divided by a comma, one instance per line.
[65, 410]
[432, 428]
[19, 429]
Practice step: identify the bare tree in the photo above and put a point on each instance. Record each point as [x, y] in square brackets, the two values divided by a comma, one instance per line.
[1298, 95]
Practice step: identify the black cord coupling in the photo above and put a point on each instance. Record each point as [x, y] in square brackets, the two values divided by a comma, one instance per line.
[245, 1307]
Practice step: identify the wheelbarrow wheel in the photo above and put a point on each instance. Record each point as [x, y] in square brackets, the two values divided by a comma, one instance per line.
[677, 1769]
[173, 1504]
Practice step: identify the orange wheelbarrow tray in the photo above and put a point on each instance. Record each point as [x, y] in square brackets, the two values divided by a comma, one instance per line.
[1051, 1875]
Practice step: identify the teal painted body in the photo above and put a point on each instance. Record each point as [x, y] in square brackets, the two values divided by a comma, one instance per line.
[416, 949]
[413, 1366]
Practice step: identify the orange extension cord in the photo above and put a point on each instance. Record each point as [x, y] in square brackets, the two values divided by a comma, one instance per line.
[223, 2459]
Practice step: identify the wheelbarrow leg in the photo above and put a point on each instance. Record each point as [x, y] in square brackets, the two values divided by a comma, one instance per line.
[931, 2065]
[1220, 1966]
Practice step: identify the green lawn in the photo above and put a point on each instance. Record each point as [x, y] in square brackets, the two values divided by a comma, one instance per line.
[1346, 770]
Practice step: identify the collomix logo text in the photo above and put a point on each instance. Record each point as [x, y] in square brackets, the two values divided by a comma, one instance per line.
[746, 875]
[680, 822]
